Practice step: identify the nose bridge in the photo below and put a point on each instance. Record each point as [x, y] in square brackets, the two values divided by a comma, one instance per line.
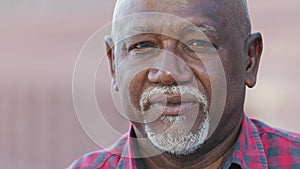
[169, 62]
[170, 68]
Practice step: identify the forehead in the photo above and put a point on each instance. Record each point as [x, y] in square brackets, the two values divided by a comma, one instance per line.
[162, 24]
[180, 7]
[197, 12]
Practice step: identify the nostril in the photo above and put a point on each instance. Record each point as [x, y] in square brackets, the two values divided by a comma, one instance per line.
[166, 78]
[153, 70]
[159, 76]
[169, 77]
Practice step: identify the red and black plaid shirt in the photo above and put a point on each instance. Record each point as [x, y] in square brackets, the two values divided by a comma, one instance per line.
[258, 147]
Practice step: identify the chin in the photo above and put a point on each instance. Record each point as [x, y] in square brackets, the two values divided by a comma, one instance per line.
[175, 140]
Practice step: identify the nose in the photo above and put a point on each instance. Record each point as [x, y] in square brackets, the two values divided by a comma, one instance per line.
[170, 69]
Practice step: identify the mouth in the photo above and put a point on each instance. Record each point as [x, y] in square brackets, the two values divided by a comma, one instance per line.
[173, 105]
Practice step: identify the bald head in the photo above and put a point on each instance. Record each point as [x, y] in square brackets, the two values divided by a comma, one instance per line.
[234, 12]
[239, 12]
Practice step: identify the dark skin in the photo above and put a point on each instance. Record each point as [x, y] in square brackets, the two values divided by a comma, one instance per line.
[239, 53]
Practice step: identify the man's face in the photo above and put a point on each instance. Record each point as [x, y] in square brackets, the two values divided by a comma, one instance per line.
[166, 67]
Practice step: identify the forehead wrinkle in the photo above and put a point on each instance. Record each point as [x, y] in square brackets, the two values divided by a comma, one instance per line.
[162, 28]
[203, 29]
[141, 29]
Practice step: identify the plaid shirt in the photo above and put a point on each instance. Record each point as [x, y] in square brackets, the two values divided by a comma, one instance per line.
[257, 147]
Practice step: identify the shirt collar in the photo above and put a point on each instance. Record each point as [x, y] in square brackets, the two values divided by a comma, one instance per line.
[248, 151]
[129, 158]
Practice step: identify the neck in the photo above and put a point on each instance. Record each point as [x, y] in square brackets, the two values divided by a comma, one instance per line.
[202, 158]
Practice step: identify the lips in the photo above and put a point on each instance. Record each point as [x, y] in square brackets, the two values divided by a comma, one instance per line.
[172, 105]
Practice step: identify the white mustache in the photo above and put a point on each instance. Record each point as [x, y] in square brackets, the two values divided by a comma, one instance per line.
[180, 90]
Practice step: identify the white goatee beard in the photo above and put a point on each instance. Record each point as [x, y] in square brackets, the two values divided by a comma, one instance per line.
[175, 139]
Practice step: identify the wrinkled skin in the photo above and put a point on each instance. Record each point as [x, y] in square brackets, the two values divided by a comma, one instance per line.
[238, 50]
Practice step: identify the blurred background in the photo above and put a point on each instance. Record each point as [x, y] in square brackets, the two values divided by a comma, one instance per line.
[39, 45]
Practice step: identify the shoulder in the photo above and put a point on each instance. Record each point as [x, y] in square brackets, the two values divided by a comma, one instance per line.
[281, 147]
[92, 160]
[265, 130]
[105, 158]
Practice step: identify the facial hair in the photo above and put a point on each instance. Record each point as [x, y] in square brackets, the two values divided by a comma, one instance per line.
[175, 139]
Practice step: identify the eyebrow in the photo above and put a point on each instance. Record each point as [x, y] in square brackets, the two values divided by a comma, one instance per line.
[210, 30]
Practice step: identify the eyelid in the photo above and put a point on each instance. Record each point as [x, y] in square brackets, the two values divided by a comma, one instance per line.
[206, 43]
[132, 47]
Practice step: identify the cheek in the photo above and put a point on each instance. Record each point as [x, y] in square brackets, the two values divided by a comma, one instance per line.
[235, 79]
[131, 95]
[210, 75]
[129, 101]
[202, 79]
[235, 72]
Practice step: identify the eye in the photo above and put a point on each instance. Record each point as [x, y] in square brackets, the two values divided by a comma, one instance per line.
[142, 45]
[201, 47]
[200, 44]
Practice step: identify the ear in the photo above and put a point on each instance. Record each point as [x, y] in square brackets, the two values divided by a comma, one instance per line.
[111, 58]
[254, 48]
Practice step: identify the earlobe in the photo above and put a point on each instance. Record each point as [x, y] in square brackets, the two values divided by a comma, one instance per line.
[254, 50]
[111, 58]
